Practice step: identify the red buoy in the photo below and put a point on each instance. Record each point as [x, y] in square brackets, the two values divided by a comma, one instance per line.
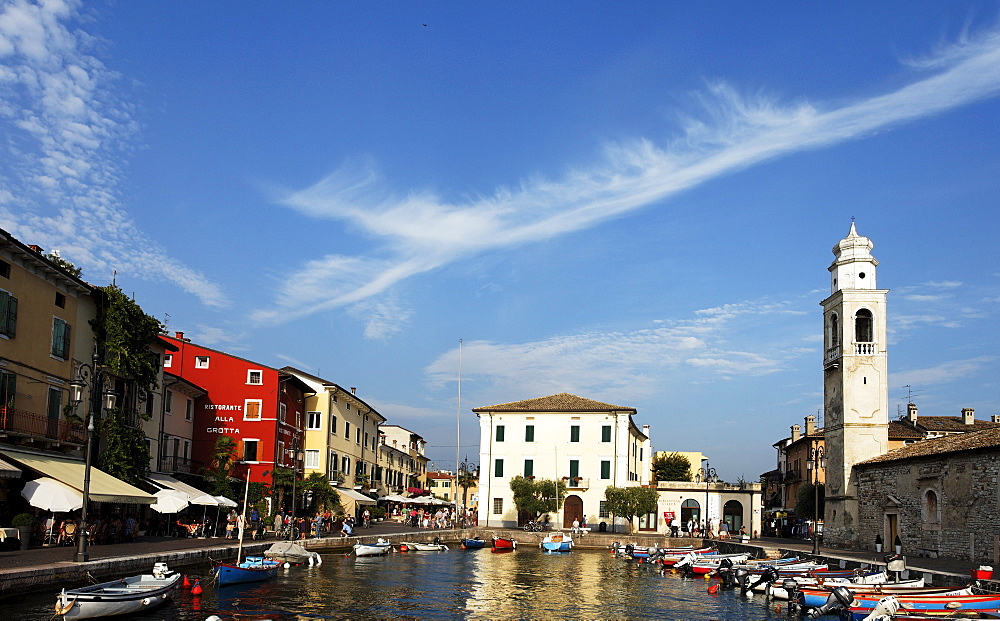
[712, 589]
[186, 582]
[196, 589]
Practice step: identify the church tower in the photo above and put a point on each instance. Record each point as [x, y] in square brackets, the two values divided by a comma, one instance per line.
[855, 380]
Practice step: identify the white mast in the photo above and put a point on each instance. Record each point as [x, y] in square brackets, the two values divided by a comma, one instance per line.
[458, 421]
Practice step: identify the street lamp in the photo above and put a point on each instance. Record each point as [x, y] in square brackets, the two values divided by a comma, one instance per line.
[467, 468]
[709, 476]
[295, 470]
[101, 398]
[817, 460]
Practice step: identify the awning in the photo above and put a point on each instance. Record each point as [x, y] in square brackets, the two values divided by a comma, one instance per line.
[357, 497]
[103, 486]
[195, 495]
[8, 471]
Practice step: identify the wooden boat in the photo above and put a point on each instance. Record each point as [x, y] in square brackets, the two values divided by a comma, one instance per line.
[888, 608]
[861, 584]
[126, 596]
[502, 544]
[703, 565]
[557, 542]
[426, 547]
[473, 544]
[380, 547]
[253, 569]
[932, 602]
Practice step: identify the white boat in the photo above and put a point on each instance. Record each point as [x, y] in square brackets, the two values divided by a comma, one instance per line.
[118, 597]
[290, 552]
[425, 547]
[557, 542]
[378, 548]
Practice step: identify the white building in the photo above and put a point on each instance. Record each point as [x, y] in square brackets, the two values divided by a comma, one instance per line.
[588, 444]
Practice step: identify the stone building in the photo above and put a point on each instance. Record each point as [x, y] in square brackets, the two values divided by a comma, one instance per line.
[939, 496]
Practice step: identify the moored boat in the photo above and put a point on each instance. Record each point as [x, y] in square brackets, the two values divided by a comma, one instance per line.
[380, 547]
[291, 552]
[473, 544]
[503, 544]
[253, 569]
[557, 542]
[118, 597]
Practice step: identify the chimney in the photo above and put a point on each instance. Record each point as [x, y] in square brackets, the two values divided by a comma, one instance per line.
[354, 390]
[911, 413]
[795, 433]
[810, 425]
[179, 335]
[995, 418]
[36, 248]
[968, 416]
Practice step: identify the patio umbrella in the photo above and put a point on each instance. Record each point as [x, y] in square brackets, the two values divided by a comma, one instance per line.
[223, 502]
[170, 501]
[51, 495]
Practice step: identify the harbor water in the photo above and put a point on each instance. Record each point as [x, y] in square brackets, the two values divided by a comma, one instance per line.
[454, 584]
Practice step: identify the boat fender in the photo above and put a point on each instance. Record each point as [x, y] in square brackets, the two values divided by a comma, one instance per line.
[62, 610]
[713, 589]
[146, 601]
[214, 618]
[287, 565]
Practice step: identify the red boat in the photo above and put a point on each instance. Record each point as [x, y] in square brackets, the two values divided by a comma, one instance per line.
[501, 544]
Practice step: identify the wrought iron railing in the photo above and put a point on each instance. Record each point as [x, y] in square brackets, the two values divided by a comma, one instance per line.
[16, 421]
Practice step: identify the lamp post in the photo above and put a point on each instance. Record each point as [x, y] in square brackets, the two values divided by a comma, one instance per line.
[817, 460]
[709, 476]
[295, 471]
[101, 398]
[464, 474]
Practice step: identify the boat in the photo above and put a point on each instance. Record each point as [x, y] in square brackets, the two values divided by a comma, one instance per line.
[425, 547]
[380, 547]
[707, 564]
[291, 552]
[863, 604]
[125, 596]
[557, 542]
[253, 569]
[502, 544]
[888, 608]
[473, 544]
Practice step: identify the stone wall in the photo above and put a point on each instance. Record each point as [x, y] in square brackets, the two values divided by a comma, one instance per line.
[945, 505]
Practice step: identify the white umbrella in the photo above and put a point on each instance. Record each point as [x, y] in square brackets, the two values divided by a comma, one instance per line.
[51, 495]
[223, 502]
[170, 501]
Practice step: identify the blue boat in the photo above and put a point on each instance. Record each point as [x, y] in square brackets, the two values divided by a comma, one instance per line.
[253, 569]
[557, 542]
[472, 544]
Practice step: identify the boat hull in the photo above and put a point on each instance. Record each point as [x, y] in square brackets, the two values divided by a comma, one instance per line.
[364, 549]
[473, 544]
[501, 544]
[250, 570]
[116, 598]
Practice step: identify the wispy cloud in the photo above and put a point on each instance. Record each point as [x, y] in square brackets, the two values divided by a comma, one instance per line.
[944, 372]
[607, 365]
[421, 232]
[67, 136]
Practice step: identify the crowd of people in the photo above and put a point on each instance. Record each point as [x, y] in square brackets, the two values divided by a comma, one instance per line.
[444, 517]
[698, 529]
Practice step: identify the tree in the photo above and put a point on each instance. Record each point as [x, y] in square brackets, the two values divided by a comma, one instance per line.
[318, 487]
[281, 483]
[672, 467]
[537, 496]
[628, 502]
[56, 258]
[219, 471]
[124, 454]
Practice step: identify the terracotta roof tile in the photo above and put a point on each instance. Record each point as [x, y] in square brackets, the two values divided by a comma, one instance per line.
[977, 440]
[563, 402]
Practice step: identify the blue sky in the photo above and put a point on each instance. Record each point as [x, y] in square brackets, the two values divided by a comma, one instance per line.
[632, 202]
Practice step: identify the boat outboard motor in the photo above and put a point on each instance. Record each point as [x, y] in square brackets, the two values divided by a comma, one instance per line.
[791, 587]
[614, 547]
[437, 541]
[629, 548]
[840, 597]
[769, 575]
[884, 610]
[742, 576]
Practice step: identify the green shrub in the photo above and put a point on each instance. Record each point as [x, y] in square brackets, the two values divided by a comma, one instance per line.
[23, 520]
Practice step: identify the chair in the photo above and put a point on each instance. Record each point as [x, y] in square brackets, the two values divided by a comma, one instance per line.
[70, 533]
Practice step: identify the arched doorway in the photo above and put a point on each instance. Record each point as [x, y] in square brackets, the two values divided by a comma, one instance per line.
[732, 514]
[690, 510]
[572, 510]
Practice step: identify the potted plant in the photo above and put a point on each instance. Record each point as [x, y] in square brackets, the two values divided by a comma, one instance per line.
[878, 543]
[899, 545]
[25, 524]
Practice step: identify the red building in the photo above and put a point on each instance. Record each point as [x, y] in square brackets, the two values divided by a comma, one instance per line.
[258, 406]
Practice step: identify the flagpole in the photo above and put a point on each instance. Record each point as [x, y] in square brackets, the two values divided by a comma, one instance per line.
[458, 422]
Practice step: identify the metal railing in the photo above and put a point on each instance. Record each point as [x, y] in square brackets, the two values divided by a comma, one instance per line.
[14, 421]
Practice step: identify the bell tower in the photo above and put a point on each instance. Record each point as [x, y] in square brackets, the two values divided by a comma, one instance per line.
[855, 380]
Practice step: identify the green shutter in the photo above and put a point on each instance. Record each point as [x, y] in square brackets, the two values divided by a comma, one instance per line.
[529, 467]
[574, 433]
[605, 469]
[529, 433]
[574, 468]
[8, 383]
[606, 433]
[498, 468]
[500, 430]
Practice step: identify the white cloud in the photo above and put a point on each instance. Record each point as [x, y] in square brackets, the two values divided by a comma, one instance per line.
[942, 373]
[68, 137]
[421, 232]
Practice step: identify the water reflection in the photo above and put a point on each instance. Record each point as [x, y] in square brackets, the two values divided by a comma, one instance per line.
[453, 585]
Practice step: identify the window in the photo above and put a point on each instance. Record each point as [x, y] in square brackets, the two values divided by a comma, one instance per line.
[188, 409]
[168, 360]
[863, 327]
[333, 423]
[280, 457]
[500, 433]
[55, 403]
[8, 314]
[602, 509]
[168, 400]
[606, 433]
[574, 433]
[60, 338]
[574, 468]
[60, 300]
[312, 458]
[345, 465]
[497, 506]
[498, 468]
[357, 435]
[529, 467]
[251, 409]
[314, 420]
[4, 269]
[201, 362]
[605, 468]
[7, 389]
[529, 433]
[366, 440]
[255, 377]
[834, 330]
[250, 450]
[347, 430]
[282, 412]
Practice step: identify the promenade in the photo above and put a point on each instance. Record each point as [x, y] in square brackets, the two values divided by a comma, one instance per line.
[47, 566]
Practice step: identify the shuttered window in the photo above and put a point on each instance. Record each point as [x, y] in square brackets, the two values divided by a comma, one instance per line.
[60, 338]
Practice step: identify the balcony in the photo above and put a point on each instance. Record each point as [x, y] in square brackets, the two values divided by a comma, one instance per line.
[16, 422]
[832, 356]
[578, 483]
[791, 476]
[864, 349]
[175, 464]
